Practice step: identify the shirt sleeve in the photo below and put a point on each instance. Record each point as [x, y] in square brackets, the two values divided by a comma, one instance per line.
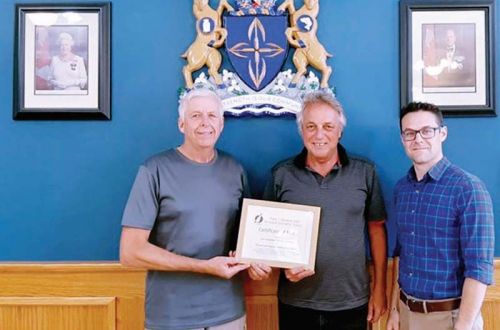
[375, 208]
[142, 205]
[477, 236]
[246, 193]
[270, 191]
[397, 248]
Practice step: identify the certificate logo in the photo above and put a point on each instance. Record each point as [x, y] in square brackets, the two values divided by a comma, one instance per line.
[258, 218]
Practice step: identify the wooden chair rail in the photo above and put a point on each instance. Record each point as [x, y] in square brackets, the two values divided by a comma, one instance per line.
[107, 295]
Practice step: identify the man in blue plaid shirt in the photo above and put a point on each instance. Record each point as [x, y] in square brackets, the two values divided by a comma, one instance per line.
[445, 235]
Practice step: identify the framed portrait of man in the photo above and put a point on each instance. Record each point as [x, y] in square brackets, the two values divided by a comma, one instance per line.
[447, 55]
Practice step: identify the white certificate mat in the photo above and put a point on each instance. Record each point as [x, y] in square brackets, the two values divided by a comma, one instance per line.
[278, 234]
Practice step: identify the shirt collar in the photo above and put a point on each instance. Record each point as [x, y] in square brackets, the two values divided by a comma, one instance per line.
[435, 173]
[300, 160]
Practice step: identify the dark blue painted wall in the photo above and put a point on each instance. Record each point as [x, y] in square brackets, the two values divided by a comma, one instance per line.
[63, 185]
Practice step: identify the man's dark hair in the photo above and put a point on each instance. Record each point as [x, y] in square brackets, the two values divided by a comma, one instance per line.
[420, 106]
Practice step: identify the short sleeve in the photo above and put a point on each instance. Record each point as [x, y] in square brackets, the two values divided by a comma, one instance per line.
[375, 208]
[246, 187]
[270, 191]
[397, 249]
[142, 205]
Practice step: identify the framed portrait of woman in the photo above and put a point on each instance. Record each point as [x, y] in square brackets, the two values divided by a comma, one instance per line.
[62, 61]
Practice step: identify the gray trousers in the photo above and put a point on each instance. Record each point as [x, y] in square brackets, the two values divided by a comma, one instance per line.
[238, 324]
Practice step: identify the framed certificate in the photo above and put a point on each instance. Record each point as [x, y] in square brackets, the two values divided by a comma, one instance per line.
[278, 234]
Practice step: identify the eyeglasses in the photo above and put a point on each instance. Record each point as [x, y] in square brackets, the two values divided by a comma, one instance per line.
[425, 133]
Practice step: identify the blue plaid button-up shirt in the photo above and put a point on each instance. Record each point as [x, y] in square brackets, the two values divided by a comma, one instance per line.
[445, 232]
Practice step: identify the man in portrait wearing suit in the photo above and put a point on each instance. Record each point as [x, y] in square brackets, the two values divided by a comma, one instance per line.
[454, 64]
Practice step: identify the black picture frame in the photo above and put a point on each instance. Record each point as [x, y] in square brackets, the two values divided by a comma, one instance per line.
[62, 67]
[447, 55]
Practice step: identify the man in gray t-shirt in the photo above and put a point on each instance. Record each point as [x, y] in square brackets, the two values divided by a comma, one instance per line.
[337, 294]
[180, 223]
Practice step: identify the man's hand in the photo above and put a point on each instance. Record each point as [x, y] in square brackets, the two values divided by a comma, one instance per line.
[393, 320]
[259, 272]
[298, 273]
[463, 325]
[377, 305]
[225, 267]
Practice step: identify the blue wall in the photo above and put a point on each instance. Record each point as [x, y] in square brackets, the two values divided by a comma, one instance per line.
[63, 185]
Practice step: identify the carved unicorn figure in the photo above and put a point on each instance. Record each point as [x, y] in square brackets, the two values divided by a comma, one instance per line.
[210, 36]
[302, 36]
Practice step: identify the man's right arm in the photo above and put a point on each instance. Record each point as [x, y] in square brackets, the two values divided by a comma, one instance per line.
[136, 251]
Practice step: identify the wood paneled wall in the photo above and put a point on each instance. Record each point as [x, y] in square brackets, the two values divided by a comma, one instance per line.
[106, 296]
[71, 296]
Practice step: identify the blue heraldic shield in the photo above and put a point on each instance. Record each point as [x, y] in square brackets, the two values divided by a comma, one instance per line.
[257, 47]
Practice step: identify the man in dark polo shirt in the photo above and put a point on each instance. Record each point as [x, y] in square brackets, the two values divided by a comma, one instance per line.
[337, 294]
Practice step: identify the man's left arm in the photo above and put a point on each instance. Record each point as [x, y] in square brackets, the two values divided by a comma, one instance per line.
[378, 246]
[472, 298]
[477, 244]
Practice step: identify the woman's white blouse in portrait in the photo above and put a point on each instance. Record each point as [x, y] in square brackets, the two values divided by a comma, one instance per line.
[67, 69]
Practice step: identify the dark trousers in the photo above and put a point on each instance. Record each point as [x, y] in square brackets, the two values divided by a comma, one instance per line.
[297, 318]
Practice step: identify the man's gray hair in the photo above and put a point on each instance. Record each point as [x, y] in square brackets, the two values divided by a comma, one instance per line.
[199, 92]
[321, 96]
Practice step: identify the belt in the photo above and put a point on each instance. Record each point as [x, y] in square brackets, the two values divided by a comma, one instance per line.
[429, 306]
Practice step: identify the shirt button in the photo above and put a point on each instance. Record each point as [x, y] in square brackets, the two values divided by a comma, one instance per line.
[412, 211]
[412, 233]
[417, 191]
[411, 274]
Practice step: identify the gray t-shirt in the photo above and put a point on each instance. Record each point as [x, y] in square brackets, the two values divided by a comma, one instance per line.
[192, 210]
[348, 196]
